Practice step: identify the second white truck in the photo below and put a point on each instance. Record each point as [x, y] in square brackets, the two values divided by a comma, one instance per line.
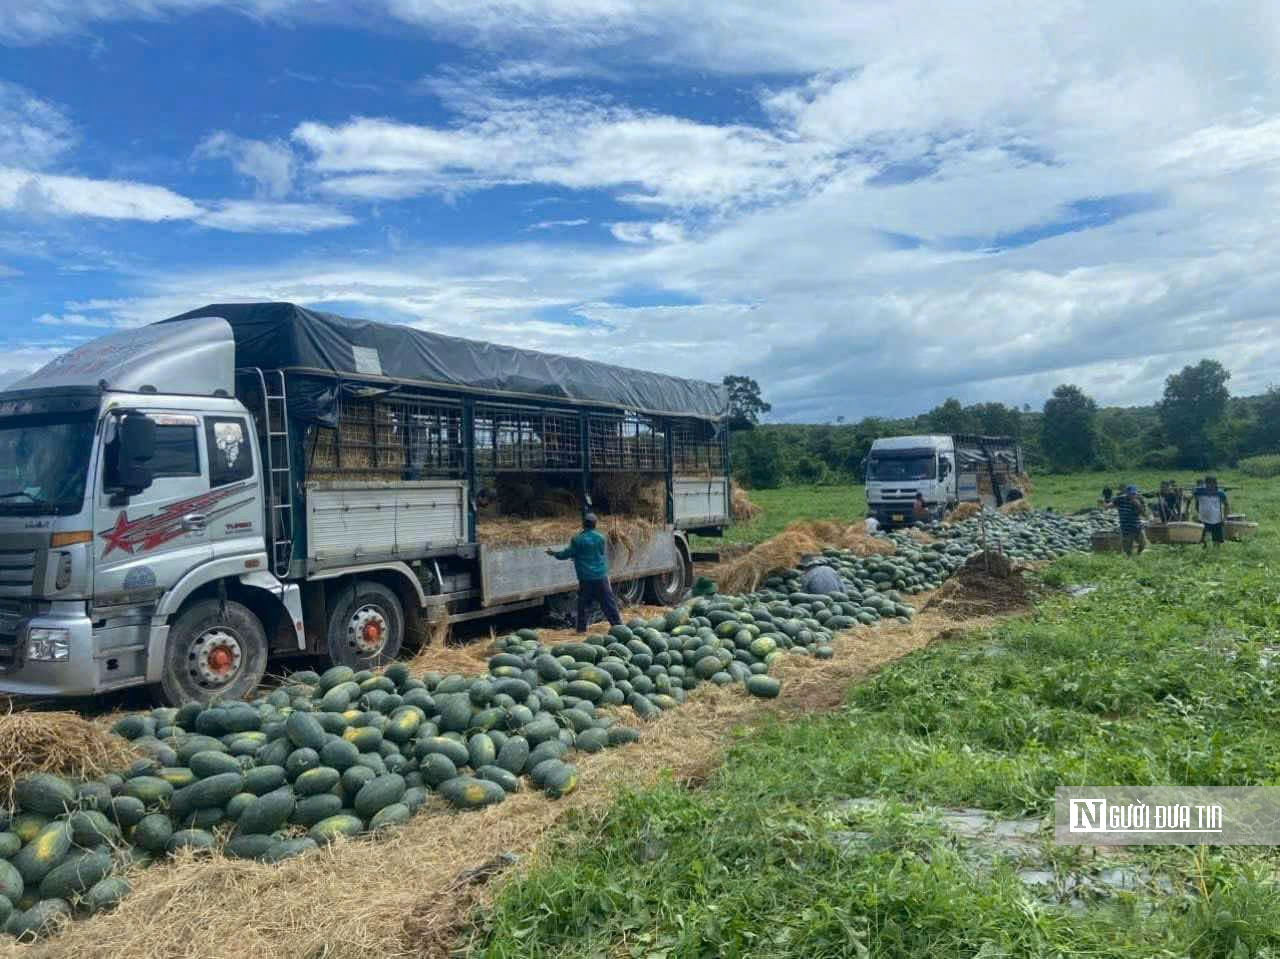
[944, 469]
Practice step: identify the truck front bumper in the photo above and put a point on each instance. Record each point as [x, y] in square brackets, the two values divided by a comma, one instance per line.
[95, 662]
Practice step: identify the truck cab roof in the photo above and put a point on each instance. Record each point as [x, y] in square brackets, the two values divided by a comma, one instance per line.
[191, 358]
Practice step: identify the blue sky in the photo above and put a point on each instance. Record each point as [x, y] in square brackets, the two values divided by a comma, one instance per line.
[867, 206]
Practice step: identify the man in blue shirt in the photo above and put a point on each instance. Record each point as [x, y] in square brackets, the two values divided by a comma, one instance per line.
[1129, 510]
[590, 556]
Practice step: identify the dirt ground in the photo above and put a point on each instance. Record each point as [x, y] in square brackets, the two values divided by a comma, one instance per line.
[408, 894]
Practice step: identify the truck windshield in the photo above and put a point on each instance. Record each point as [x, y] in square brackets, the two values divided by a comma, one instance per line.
[44, 463]
[895, 469]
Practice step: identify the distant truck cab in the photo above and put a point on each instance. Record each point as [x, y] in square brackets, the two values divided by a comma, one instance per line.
[180, 501]
[944, 469]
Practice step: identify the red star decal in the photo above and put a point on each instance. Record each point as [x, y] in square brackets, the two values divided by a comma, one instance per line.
[119, 535]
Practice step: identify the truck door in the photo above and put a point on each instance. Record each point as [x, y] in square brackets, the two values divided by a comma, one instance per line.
[946, 478]
[145, 545]
[236, 519]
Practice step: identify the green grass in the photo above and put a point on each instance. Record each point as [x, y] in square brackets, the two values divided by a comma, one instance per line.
[1128, 684]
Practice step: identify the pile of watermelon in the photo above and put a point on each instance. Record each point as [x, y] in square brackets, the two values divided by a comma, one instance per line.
[348, 753]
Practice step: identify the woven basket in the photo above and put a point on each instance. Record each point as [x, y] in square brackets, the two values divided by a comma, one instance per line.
[1105, 542]
[1240, 530]
[1184, 533]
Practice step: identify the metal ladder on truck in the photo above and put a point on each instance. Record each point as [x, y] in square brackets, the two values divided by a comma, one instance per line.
[278, 466]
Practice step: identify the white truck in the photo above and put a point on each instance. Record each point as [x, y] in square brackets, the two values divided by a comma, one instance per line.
[944, 469]
[161, 522]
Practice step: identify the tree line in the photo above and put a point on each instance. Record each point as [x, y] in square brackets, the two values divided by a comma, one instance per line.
[1196, 424]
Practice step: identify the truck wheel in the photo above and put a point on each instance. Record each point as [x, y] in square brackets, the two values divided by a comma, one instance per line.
[366, 626]
[216, 649]
[630, 593]
[667, 589]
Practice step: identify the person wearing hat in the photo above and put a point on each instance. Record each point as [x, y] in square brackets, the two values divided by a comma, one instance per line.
[1130, 509]
[819, 578]
[1211, 507]
[590, 556]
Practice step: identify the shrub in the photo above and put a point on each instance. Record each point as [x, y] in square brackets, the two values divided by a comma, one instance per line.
[1261, 467]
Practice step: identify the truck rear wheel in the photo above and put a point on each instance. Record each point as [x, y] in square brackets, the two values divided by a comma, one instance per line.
[667, 589]
[366, 626]
[630, 593]
[215, 649]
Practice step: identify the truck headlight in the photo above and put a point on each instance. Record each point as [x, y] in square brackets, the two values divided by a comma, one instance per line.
[49, 645]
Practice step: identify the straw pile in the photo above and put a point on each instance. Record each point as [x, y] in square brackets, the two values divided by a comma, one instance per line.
[32, 741]
[1017, 506]
[631, 494]
[962, 512]
[371, 447]
[627, 532]
[744, 510]
[745, 573]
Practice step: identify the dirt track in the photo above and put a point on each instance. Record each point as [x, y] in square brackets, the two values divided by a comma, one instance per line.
[407, 894]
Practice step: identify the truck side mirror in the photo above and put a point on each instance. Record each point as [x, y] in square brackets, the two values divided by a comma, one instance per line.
[137, 445]
[945, 470]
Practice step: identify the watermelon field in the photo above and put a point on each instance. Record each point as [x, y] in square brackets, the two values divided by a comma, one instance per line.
[799, 776]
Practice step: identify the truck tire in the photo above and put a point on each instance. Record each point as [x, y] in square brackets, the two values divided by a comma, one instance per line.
[630, 593]
[215, 649]
[667, 589]
[366, 626]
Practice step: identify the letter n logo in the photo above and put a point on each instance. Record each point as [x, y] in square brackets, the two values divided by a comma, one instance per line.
[1088, 815]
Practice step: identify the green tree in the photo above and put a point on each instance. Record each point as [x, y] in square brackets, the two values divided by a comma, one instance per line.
[746, 405]
[1264, 437]
[808, 470]
[1194, 404]
[996, 419]
[1068, 431]
[757, 459]
[950, 417]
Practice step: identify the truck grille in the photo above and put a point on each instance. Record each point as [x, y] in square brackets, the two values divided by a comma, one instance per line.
[10, 618]
[17, 571]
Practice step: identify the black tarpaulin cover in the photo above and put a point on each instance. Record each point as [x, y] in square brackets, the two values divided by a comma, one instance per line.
[285, 336]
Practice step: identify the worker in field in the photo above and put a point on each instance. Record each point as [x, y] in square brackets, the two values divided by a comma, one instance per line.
[590, 556]
[1130, 509]
[819, 578]
[919, 510]
[1212, 508]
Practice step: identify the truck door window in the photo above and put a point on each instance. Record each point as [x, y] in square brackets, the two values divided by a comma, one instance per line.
[230, 452]
[177, 451]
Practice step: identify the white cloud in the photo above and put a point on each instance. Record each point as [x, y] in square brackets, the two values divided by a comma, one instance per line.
[270, 166]
[9, 272]
[43, 194]
[249, 216]
[644, 232]
[578, 144]
[557, 224]
[72, 319]
[48, 195]
[33, 132]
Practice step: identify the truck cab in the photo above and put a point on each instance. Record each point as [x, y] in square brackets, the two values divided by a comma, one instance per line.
[130, 484]
[899, 467]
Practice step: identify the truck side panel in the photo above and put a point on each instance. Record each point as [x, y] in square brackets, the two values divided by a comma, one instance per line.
[701, 501]
[354, 523]
[511, 574]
